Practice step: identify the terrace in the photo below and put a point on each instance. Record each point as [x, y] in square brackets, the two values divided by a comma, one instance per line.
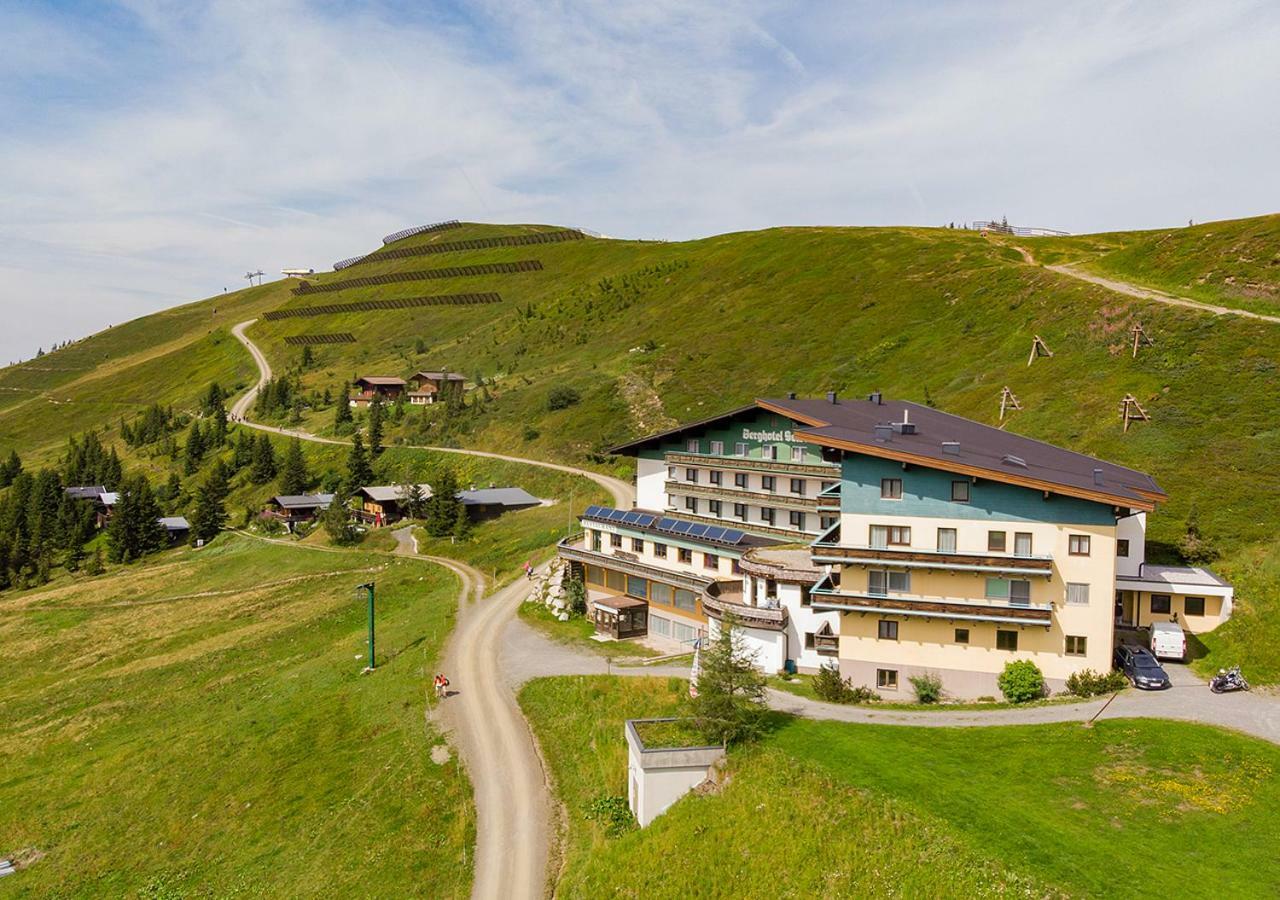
[827, 595]
[828, 549]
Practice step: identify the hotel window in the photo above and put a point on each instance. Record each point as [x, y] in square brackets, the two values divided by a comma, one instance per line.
[691, 476]
[686, 600]
[995, 541]
[1122, 548]
[595, 575]
[615, 540]
[1020, 592]
[1006, 640]
[671, 473]
[615, 581]
[997, 589]
[638, 587]
[1077, 645]
[797, 454]
[733, 564]
[659, 550]
[660, 626]
[1077, 594]
[693, 445]
[717, 448]
[767, 483]
[797, 519]
[894, 536]
[888, 630]
[806, 600]
[740, 511]
[691, 504]
[740, 480]
[959, 492]
[769, 451]
[671, 501]
[710, 561]
[685, 555]
[880, 582]
[595, 541]
[1160, 604]
[716, 477]
[740, 449]
[768, 515]
[962, 635]
[946, 540]
[808, 640]
[1022, 543]
[887, 679]
[1078, 545]
[637, 545]
[890, 488]
[825, 522]
[660, 593]
[713, 507]
[797, 486]
[826, 486]
[1193, 606]
[770, 589]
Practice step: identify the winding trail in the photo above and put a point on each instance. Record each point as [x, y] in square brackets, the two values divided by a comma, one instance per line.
[1143, 293]
[513, 801]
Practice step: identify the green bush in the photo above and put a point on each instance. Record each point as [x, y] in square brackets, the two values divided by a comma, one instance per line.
[928, 687]
[1021, 681]
[829, 686]
[531, 433]
[612, 813]
[562, 397]
[1088, 683]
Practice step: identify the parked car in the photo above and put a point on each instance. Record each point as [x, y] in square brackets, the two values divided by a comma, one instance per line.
[1141, 667]
[1168, 641]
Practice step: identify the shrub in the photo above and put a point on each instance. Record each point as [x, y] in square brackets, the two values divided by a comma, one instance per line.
[562, 397]
[829, 686]
[612, 813]
[531, 433]
[863, 694]
[928, 687]
[1021, 681]
[1088, 683]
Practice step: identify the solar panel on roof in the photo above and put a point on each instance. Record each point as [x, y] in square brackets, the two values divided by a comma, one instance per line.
[617, 515]
[592, 510]
[733, 536]
[714, 533]
[682, 527]
[646, 521]
[665, 524]
[697, 530]
[631, 518]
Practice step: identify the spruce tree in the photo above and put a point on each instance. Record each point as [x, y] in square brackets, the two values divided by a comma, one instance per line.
[337, 519]
[243, 454]
[359, 472]
[294, 477]
[342, 417]
[461, 521]
[263, 468]
[135, 530]
[415, 504]
[376, 416]
[10, 469]
[210, 514]
[442, 507]
[193, 452]
[730, 703]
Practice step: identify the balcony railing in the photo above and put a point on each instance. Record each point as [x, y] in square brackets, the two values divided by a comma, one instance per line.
[747, 464]
[780, 499]
[826, 596]
[570, 548]
[826, 644]
[911, 558]
[829, 500]
[753, 616]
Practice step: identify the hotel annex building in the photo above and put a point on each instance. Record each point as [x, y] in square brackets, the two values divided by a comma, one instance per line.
[889, 537]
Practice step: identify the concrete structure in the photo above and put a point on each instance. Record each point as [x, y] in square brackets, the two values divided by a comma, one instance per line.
[659, 776]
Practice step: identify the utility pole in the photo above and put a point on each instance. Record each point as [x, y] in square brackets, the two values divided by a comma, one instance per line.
[368, 589]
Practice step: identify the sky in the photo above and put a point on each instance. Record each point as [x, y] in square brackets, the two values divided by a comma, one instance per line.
[153, 151]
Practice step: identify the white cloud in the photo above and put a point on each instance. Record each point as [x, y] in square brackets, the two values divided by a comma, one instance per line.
[204, 140]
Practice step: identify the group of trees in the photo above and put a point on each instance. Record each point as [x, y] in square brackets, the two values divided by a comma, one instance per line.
[443, 513]
[153, 424]
[40, 526]
[88, 462]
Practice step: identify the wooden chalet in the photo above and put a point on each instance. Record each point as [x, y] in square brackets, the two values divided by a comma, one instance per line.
[432, 387]
[388, 387]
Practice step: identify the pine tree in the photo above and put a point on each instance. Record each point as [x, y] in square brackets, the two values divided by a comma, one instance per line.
[263, 467]
[193, 453]
[461, 521]
[95, 565]
[294, 477]
[307, 357]
[730, 703]
[414, 503]
[337, 519]
[359, 472]
[210, 514]
[342, 412]
[10, 469]
[135, 529]
[441, 509]
[243, 454]
[376, 415]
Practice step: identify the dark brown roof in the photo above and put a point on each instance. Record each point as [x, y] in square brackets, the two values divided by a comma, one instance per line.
[974, 448]
[389, 380]
[440, 376]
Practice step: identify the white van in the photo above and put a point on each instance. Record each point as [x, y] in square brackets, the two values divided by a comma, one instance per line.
[1168, 641]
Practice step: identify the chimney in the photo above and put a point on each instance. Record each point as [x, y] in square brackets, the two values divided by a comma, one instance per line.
[884, 433]
[905, 426]
[1097, 477]
[876, 398]
[951, 448]
[831, 397]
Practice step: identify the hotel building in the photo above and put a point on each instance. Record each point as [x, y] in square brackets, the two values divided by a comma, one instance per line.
[889, 537]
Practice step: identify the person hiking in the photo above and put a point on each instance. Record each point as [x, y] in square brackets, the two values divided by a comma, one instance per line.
[442, 687]
[528, 570]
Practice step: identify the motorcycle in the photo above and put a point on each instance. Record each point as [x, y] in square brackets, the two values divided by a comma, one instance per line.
[1228, 680]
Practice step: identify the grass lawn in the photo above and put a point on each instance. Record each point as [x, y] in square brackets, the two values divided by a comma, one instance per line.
[855, 810]
[198, 724]
[577, 632]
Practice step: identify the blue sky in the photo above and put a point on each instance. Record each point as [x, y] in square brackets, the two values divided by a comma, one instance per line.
[152, 151]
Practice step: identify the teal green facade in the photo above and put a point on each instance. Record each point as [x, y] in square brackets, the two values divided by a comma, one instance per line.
[927, 492]
[756, 428]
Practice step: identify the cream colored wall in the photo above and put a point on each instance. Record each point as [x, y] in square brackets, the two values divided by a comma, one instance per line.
[1212, 618]
[723, 568]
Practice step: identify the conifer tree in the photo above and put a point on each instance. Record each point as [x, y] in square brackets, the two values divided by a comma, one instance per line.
[243, 453]
[210, 514]
[193, 452]
[359, 472]
[442, 507]
[415, 504]
[135, 530]
[294, 477]
[730, 703]
[376, 416]
[342, 412]
[337, 519]
[263, 467]
[461, 521]
[10, 469]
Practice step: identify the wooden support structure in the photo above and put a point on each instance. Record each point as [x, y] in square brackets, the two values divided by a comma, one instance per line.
[1008, 402]
[1038, 348]
[1131, 411]
[1140, 337]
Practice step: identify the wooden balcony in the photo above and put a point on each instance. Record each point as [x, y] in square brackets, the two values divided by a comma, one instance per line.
[911, 558]
[825, 596]
[780, 499]
[771, 619]
[746, 464]
[827, 644]
[829, 500]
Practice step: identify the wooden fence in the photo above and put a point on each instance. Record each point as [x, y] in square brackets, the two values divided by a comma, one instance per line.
[331, 309]
[514, 240]
[421, 229]
[524, 265]
[302, 340]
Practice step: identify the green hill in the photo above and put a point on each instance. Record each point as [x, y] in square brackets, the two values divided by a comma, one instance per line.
[650, 333]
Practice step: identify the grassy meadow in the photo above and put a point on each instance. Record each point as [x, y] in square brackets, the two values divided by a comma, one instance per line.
[197, 725]
[838, 810]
